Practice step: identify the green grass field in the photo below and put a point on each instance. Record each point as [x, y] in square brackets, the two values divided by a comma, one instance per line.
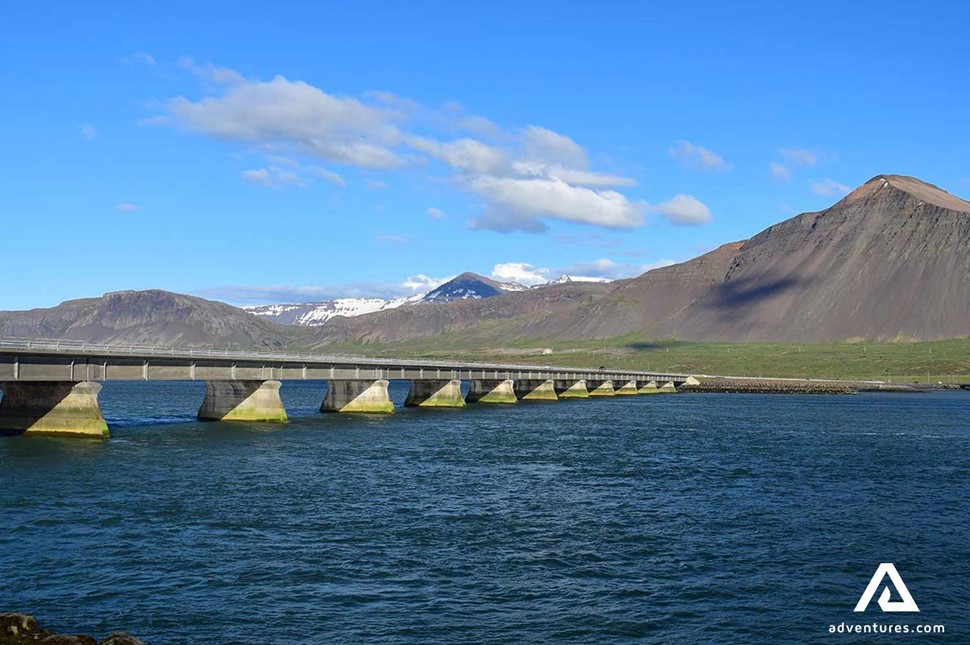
[903, 362]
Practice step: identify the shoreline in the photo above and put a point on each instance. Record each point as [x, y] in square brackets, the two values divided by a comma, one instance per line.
[752, 385]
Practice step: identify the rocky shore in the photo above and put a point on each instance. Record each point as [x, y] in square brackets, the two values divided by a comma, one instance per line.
[790, 386]
[20, 629]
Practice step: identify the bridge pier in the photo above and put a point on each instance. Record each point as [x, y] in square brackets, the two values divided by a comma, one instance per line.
[58, 408]
[627, 388]
[435, 393]
[492, 391]
[253, 401]
[667, 388]
[357, 396]
[571, 389]
[600, 388]
[650, 387]
[535, 390]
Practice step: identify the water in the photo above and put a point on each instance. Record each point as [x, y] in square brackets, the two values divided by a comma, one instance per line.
[681, 518]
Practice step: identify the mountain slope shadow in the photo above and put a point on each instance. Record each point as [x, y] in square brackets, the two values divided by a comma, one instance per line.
[747, 292]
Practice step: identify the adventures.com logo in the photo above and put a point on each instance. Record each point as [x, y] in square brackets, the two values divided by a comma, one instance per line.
[905, 603]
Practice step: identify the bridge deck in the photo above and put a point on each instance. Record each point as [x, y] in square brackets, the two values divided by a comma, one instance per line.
[67, 360]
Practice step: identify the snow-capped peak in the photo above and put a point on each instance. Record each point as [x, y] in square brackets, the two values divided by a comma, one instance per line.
[563, 279]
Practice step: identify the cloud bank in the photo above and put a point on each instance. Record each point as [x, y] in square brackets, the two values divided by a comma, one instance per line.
[522, 178]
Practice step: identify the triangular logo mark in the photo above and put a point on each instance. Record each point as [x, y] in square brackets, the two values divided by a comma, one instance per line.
[905, 604]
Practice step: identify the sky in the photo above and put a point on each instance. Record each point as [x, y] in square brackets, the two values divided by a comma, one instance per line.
[282, 152]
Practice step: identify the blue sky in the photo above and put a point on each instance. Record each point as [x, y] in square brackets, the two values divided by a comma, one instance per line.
[268, 152]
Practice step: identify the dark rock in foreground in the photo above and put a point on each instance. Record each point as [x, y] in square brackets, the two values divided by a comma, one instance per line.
[20, 629]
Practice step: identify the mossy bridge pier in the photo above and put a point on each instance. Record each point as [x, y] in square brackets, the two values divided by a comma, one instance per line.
[51, 386]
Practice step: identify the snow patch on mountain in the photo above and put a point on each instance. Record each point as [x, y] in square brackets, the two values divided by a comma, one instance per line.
[467, 286]
[565, 279]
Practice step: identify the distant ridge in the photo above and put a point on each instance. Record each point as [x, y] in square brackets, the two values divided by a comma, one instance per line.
[889, 261]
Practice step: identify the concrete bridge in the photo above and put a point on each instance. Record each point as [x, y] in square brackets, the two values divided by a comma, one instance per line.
[52, 386]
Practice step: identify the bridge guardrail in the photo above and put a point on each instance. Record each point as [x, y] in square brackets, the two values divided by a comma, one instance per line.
[67, 345]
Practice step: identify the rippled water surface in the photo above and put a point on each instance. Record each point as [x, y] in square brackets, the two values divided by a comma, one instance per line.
[678, 518]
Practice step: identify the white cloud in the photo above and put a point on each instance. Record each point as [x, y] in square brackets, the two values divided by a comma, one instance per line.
[373, 184]
[531, 176]
[480, 127]
[697, 157]
[391, 99]
[521, 272]
[530, 274]
[294, 115]
[328, 175]
[520, 204]
[779, 171]
[127, 208]
[88, 132]
[464, 155]
[798, 157]
[684, 210]
[602, 268]
[211, 73]
[272, 177]
[421, 283]
[548, 147]
[829, 188]
[436, 213]
[587, 178]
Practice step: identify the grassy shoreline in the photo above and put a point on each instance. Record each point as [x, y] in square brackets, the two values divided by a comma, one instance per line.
[946, 361]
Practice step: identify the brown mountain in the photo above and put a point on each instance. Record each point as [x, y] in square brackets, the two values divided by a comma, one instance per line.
[637, 304]
[530, 314]
[889, 261]
[572, 310]
[147, 318]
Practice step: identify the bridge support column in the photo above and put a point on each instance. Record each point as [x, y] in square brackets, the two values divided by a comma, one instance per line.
[600, 388]
[357, 396]
[253, 401]
[58, 408]
[650, 387]
[571, 389]
[536, 390]
[491, 391]
[627, 388]
[667, 387]
[434, 393]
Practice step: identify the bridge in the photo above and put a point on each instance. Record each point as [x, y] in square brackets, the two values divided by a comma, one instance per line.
[51, 386]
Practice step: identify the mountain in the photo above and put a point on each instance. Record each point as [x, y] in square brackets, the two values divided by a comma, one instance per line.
[470, 286]
[889, 261]
[572, 278]
[634, 305]
[147, 318]
[527, 314]
[561, 311]
[314, 314]
[309, 314]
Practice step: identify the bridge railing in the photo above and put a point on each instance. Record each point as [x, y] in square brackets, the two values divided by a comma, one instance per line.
[54, 345]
